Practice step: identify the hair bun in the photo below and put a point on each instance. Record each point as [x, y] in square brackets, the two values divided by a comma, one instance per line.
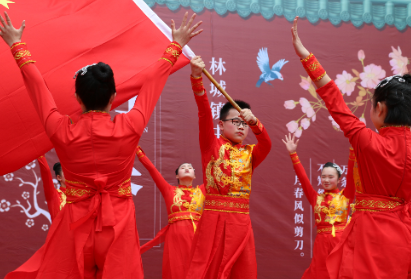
[102, 72]
[407, 77]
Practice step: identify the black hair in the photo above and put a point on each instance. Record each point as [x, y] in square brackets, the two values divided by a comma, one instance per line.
[227, 106]
[179, 169]
[96, 86]
[335, 166]
[397, 98]
[57, 169]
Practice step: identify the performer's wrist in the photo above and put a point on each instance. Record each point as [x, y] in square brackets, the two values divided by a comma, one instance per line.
[172, 53]
[294, 158]
[257, 127]
[197, 84]
[21, 54]
[313, 67]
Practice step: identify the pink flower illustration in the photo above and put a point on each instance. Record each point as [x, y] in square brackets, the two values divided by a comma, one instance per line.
[335, 125]
[361, 55]
[305, 83]
[290, 104]
[305, 123]
[292, 126]
[306, 107]
[31, 165]
[398, 62]
[345, 83]
[25, 195]
[4, 206]
[8, 177]
[30, 223]
[298, 132]
[371, 76]
[45, 227]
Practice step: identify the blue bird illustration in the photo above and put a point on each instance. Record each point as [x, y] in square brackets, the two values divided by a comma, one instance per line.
[263, 62]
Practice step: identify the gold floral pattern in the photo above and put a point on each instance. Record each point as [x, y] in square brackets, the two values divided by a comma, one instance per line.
[335, 210]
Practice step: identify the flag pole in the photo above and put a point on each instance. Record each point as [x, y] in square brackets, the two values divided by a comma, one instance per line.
[218, 86]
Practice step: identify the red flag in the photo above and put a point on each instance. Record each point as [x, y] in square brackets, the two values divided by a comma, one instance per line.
[64, 36]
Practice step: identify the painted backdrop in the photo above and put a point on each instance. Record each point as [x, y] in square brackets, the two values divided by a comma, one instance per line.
[357, 58]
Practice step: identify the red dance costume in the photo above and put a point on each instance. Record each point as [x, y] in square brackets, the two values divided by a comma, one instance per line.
[95, 234]
[331, 212]
[223, 245]
[56, 199]
[184, 208]
[376, 243]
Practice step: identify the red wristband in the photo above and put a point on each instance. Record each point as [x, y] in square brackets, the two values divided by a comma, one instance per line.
[313, 67]
[197, 84]
[140, 152]
[257, 128]
[294, 158]
[172, 53]
[21, 54]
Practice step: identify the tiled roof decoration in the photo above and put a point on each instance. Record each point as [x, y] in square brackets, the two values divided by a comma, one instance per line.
[377, 12]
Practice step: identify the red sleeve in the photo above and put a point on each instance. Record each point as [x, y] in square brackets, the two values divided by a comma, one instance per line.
[155, 78]
[308, 189]
[353, 128]
[263, 147]
[205, 123]
[349, 191]
[52, 197]
[42, 99]
[161, 183]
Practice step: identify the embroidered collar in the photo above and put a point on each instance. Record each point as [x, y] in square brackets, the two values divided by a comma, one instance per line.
[335, 191]
[232, 144]
[100, 111]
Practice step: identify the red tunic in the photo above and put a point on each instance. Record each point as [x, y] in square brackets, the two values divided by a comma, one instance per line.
[330, 207]
[184, 207]
[224, 243]
[56, 199]
[376, 243]
[95, 234]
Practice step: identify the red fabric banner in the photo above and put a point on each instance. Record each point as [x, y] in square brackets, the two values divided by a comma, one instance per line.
[63, 37]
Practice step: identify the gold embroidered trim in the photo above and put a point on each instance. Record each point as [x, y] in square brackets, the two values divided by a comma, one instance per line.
[196, 77]
[173, 52]
[227, 211]
[293, 153]
[185, 217]
[20, 54]
[177, 45]
[102, 111]
[376, 205]
[337, 229]
[77, 192]
[30, 61]
[320, 77]
[227, 204]
[63, 199]
[395, 126]
[17, 45]
[167, 60]
[225, 196]
[76, 182]
[307, 58]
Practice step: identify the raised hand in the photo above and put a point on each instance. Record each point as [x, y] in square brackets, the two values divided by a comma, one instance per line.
[184, 34]
[248, 116]
[290, 143]
[300, 50]
[10, 34]
[197, 66]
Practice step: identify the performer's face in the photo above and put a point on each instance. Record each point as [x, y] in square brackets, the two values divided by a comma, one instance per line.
[61, 179]
[231, 130]
[186, 171]
[329, 178]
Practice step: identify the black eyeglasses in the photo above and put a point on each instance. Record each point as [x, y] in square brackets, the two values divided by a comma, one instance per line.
[237, 122]
[387, 80]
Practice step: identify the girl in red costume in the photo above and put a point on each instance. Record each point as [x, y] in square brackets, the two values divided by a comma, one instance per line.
[376, 244]
[62, 181]
[184, 206]
[95, 234]
[55, 198]
[331, 209]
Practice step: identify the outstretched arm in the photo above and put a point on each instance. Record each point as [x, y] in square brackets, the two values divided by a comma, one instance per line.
[155, 76]
[308, 189]
[39, 93]
[263, 146]
[352, 127]
[161, 183]
[205, 117]
[52, 197]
